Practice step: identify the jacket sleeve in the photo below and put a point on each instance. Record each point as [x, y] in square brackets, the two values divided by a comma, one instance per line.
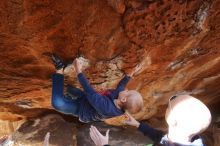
[88, 89]
[152, 133]
[101, 104]
[121, 85]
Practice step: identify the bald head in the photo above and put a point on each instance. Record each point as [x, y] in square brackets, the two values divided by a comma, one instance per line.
[134, 101]
[188, 114]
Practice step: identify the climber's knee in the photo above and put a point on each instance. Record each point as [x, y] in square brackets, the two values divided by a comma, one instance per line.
[57, 103]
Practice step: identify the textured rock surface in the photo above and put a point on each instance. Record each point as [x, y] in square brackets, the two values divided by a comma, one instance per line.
[33, 132]
[7, 127]
[177, 42]
[65, 131]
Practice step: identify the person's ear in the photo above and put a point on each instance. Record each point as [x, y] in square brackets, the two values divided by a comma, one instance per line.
[124, 99]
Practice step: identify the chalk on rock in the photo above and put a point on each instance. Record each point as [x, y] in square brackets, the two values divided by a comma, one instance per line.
[69, 69]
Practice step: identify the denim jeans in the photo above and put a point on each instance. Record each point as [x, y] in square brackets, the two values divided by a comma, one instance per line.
[69, 103]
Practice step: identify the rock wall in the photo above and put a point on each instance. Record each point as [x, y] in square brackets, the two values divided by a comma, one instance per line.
[175, 41]
[7, 127]
[66, 131]
[33, 132]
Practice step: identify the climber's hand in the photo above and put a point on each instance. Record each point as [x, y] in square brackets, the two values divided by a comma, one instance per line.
[131, 120]
[46, 139]
[135, 70]
[97, 137]
[3, 138]
[77, 66]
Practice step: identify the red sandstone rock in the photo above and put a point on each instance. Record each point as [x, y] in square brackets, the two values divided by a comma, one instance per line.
[118, 5]
[176, 41]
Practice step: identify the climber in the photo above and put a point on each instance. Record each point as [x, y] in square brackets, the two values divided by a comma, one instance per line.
[90, 105]
[186, 117]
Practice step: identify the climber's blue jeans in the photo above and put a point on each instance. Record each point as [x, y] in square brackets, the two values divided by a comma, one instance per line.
[69, 103]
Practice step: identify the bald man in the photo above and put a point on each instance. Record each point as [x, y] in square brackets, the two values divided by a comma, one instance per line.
[186, 117]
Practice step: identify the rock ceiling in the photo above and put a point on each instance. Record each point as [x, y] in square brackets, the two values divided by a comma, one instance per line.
[175, 41]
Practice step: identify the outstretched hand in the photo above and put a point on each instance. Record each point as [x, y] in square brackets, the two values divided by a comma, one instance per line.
[46, 139]
[77, 66]
[131, 120]
[135, 70]
[3, 138]
[97, 137]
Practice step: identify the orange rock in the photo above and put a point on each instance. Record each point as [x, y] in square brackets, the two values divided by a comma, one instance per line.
[177, 41]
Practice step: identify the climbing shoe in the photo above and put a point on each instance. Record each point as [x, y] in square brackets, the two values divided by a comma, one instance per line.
[57, 62]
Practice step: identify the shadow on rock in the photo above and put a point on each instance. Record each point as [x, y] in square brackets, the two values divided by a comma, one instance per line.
[32, 132]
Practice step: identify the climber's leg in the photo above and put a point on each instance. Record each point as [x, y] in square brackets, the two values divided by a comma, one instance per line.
[74, 93]
[59, 102]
